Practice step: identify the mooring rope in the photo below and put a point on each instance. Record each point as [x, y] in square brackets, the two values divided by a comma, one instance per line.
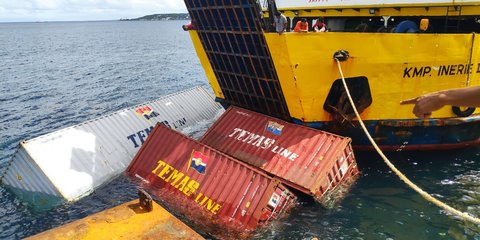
[424, 194]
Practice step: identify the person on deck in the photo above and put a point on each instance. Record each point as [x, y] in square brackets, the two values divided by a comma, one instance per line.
[280, 22]
[189, 26]
[301, 26]
[427, 103]
[362, 27]
[320, 25]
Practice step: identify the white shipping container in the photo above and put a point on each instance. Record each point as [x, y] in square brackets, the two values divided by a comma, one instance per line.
[70, 163]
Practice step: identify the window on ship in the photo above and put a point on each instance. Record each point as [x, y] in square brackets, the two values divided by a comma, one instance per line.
[436, 24]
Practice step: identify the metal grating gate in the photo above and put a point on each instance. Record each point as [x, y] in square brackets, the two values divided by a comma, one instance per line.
[232, 36]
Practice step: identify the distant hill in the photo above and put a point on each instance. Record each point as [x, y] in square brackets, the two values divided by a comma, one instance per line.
[160, 17]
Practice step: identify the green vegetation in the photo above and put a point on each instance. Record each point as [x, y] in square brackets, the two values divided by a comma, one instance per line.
[160, 17]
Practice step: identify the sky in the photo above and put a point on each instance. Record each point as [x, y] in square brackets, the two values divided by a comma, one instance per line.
[84, 10]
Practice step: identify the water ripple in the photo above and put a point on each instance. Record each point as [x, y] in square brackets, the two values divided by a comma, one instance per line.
[61, 74]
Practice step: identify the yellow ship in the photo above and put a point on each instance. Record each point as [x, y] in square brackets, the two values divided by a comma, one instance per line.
[397, 50]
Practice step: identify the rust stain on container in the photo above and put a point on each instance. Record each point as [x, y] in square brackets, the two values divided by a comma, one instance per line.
[126, 221]
[312, 161]
[223, 196]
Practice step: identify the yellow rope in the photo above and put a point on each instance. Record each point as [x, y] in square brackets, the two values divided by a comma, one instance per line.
[424, 194]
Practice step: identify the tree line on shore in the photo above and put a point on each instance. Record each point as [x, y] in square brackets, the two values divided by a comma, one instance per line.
[160, 17]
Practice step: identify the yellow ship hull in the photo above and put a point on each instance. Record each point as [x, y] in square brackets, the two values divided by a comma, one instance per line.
[407, 49]
[394, 66]
[397, 66]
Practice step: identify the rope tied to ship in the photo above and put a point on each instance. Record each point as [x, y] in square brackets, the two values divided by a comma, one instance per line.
[343, 55]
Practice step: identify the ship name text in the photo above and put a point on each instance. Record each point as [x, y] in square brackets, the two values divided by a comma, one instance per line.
[442, 70]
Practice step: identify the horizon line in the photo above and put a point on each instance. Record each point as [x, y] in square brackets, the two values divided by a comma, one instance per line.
[91, 20]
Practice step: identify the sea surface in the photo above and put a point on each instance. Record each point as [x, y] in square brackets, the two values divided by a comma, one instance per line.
[57, 74]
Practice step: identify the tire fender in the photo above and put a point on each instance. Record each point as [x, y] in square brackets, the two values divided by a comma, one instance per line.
[463, 113]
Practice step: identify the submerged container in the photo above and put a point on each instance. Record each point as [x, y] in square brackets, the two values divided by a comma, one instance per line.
[313, 161]
[70, 163]
[221, 195]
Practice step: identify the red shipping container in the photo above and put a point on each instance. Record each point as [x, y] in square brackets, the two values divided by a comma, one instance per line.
[315, 162]
[223, 196]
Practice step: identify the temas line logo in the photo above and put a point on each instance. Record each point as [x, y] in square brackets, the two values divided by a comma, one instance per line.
[146, 112]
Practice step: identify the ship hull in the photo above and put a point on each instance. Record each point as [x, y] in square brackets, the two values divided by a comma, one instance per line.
[294, 77]
[413, 134]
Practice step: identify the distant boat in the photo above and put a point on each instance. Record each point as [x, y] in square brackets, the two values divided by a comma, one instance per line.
[406, 49]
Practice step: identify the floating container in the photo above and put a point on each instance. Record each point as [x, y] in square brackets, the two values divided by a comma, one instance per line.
[70, 163]
[127, 221]
[223, 196]
[312, 161]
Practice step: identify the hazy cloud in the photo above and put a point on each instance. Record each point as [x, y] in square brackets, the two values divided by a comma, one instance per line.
[77, 10]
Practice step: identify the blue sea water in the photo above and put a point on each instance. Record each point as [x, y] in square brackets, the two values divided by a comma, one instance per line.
[54, 75]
